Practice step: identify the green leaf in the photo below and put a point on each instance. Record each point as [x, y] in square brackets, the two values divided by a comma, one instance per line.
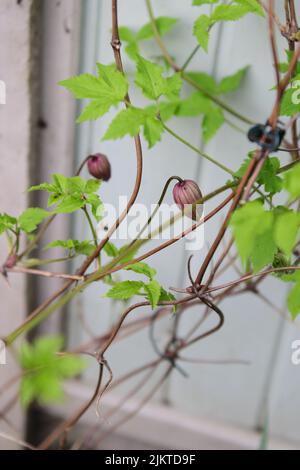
[204, 2]
[125, 290]
[31, 218]
[249, 222]
[268, 174]
[153, 291]
[163, 24]
[69, 204]
[127, 122]
[212, 122]
[153, 128]
[229, 12]
[290, 104]
[107, 90]
[292, 182]
[7, 222]
[207, 82]
[294, 300]
[142, 268]
[253, 6]
[111, 250]
[79, 248]
[264, 250]
[232, 82]
[286, 230]
[45, 370]
[149, 78]
[201, 30]
[194, 105]
[126, 34]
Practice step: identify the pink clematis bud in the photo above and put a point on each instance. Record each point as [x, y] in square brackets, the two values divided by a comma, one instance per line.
[186, 194]
[99, 167]
[11, 261]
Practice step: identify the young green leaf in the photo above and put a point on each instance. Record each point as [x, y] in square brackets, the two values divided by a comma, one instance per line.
[127, 122]
[31, 218]
[111, 250]
[229, 12]
[73, 246]
[125, 290]
[153, 128]
[7, 222]
[163, 24]
[153, 291]
[292, 182]
[201, 30]
[294, 300]
[212, 122]
[249, 222]
[232, 82]
[286, 230]
[45, 370]
[142, 268]
[105, 91]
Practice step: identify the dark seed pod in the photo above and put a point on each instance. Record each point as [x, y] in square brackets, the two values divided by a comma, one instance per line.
[99, 167]
[256, 133]
[186, 194]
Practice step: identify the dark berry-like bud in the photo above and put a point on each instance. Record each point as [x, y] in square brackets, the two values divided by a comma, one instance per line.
[99, 167]
[186, 194]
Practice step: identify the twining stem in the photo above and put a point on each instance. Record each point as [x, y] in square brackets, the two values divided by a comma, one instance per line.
[93, 231]
[204, 155]
[186, 77]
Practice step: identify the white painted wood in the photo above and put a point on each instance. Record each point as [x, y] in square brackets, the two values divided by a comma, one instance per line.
[16, 151]
[159, 427]
[59, 55]
[235, 394]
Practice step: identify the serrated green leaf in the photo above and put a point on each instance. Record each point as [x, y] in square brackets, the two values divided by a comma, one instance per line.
[125, 290]
[206, 81]
[70, 204]
[249, 222]
[142, 268]
[80, 248]
[153, 291]
[232, 82]
[229, 12]
[7, 222]
[31, 218]
[194, 105]
[292, 182]
[201, 26]
[253, 6]
[153, 128]
[264, 250]
[163, 24]
[107, 90]
[45, 370]
[212, 122]
[294, 301]
[111, 250]
[286, 230]
[127, 122]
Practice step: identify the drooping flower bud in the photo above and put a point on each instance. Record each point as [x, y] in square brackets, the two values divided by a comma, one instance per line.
[186, 194]
[11, 261]
[99, 167]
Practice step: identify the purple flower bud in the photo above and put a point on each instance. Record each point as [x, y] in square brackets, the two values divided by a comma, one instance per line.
[99, 167]
[11, 261]
[186, 193]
